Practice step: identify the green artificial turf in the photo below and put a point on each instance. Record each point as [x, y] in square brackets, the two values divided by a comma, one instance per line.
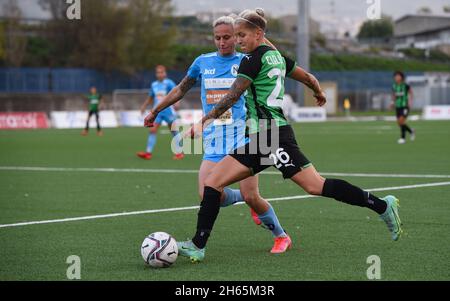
[331, 240]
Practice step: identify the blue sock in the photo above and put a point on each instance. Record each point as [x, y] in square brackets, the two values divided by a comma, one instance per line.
[151, 141]
[178, 148]
[270, 219]
[232, 196]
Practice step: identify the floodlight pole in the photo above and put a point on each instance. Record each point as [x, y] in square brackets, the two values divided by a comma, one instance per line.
[303, 44]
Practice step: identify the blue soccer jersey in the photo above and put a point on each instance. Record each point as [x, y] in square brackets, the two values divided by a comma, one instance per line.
[158, 91]
[217, 73]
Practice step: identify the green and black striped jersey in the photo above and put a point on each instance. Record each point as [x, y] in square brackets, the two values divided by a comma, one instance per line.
[267, 69]
[94, 101]
[401, 92]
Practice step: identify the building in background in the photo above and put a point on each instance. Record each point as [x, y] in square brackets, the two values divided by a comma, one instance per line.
[423, 32]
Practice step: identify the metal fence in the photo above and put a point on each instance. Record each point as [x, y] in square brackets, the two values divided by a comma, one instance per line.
[366, 90]
[72, 80]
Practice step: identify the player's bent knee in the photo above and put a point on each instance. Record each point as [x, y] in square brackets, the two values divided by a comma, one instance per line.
[210, 182]
[250, 198]
[314, 188]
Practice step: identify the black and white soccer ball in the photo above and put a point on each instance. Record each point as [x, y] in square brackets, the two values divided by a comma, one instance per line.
[159, 250]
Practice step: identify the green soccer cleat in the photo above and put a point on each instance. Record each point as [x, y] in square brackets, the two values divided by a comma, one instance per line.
[391, 217]
[188, 249]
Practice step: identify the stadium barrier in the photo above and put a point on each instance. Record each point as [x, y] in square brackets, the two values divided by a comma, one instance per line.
[77, 120]
[436, 113]
[190, 116]
[111, 119]
[24, 120]
[308, 114]
[136, 119]
[131, 118]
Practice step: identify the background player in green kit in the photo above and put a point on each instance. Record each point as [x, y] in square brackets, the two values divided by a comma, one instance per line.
[262, 73]
[95, 102]
[402, 100]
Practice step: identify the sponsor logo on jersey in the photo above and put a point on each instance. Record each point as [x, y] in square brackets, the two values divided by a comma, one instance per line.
[214, 96]
[234, 70]
[218, 83]
[209, 71]
[160, 95]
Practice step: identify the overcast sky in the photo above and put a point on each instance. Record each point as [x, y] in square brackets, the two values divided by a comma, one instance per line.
[343, 15]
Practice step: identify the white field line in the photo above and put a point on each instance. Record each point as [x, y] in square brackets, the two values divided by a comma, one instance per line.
[197, 207]
[194, 171]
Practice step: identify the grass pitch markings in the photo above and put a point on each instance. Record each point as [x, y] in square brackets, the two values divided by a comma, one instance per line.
[297, 197]
[195, 171]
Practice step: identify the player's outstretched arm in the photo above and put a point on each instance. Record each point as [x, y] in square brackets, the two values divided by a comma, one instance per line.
[173, 97]
[410, 97]
[311, 82]
[237, 89]
[176, 94]
[239, 86]
[101, 105]
[147, 102]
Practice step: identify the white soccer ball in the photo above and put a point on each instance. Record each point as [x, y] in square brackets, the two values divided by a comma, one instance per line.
[159, 250]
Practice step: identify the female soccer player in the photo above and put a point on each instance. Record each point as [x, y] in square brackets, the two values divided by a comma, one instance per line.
[402, 99]
[160, 88]
[262, 73]
[95, 103]
[217, 71]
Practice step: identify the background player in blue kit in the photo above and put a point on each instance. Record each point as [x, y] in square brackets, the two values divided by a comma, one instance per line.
[158, 90]
[217, 71]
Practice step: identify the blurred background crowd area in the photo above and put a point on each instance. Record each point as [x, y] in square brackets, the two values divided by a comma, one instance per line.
[48, 62]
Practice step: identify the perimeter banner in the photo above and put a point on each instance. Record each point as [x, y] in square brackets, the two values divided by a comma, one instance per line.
[24, 120]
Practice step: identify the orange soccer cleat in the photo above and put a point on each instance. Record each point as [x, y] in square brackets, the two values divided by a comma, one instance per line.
[179, 156]
[144, 155]
[281, 245]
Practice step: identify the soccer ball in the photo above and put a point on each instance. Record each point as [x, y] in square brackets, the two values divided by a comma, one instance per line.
[159, 250]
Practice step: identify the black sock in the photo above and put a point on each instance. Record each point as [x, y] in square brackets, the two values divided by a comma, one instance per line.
[408, 129]
[347, 193]
[403, 130]
[209, 210]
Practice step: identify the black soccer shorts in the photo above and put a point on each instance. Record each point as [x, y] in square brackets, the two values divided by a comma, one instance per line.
[402, 112]
[263, 151]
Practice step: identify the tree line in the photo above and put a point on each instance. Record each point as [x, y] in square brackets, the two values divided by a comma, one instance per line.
[135, 35]
[125, 35]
